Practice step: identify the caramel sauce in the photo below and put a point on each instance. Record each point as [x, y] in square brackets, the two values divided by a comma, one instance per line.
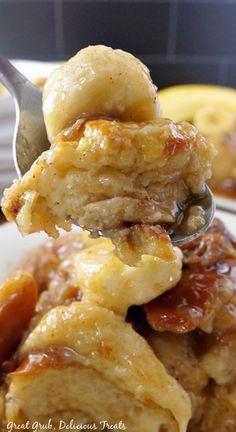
[15, 314]
[182, 309]
[73, 132]
[176, 146]
[216, 245]
[202, 342]
[104, 350]
[208, 278]
[53, 357]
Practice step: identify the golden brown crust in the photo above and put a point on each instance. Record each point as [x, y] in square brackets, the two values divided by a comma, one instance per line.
[111, 174]
[98, 368]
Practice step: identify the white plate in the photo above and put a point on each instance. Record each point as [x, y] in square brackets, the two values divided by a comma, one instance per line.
[226, 204]
[15, 248]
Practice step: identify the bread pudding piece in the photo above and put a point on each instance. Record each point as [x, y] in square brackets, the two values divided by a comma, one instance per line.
[113, 161]
[85, 360]
[197, 361]
[76, 267]
[107, 281]
[196, 330]
[69, 389]
[103, 175]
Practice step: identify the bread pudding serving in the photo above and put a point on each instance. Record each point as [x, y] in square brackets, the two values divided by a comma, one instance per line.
[127, 332]
[113, 161]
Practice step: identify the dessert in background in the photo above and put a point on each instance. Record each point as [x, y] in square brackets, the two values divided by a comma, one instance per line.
[212, 109]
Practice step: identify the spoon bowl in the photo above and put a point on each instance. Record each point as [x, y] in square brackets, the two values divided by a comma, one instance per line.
[176, 230]
[206, 202]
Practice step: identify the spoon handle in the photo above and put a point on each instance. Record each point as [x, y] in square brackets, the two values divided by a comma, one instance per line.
[12, 79]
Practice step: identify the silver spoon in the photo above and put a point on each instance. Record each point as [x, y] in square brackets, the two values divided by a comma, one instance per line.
[30, 140]
[178, 236]
[205, 200]
[30, 137]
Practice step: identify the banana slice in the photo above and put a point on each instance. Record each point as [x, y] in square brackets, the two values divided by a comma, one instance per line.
[182, 102]
[214, 120]
[99, 81]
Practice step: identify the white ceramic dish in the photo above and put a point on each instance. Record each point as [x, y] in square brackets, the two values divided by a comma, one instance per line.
[226, 204]
[15, 248]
